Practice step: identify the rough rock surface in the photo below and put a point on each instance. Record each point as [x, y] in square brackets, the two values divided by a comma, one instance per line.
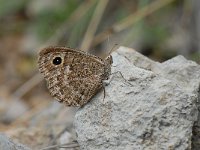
[153, 106]
[8, 144]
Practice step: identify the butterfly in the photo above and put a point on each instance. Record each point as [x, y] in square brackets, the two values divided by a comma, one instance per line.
[73, 76]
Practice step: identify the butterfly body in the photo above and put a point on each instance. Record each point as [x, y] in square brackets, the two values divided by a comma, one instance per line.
[73, 76]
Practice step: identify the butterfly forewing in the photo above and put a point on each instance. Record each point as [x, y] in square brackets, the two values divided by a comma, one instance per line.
[73, 76]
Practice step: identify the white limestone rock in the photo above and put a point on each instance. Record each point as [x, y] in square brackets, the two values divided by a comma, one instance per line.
[156, 107]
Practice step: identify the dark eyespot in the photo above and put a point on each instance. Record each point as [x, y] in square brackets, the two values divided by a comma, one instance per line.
[57, 60]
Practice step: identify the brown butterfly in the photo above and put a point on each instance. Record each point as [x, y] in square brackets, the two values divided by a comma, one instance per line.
[73, 76]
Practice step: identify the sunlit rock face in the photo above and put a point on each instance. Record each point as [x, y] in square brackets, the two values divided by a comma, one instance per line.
[151, 105]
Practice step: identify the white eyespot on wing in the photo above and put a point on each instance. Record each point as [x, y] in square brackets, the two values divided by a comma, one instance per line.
[67, 71]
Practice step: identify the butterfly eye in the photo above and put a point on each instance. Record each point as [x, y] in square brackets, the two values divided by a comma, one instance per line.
[57, 60]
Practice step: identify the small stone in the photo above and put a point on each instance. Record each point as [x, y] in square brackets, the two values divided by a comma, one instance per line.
[7, 144]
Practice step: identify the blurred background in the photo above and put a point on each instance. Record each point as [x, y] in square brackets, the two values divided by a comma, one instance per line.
[159, 29]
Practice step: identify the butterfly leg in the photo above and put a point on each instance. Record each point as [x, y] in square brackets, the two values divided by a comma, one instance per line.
[104, 93]
[121, 76]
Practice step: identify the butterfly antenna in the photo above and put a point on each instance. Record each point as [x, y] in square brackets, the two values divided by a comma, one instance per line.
[113, 48]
